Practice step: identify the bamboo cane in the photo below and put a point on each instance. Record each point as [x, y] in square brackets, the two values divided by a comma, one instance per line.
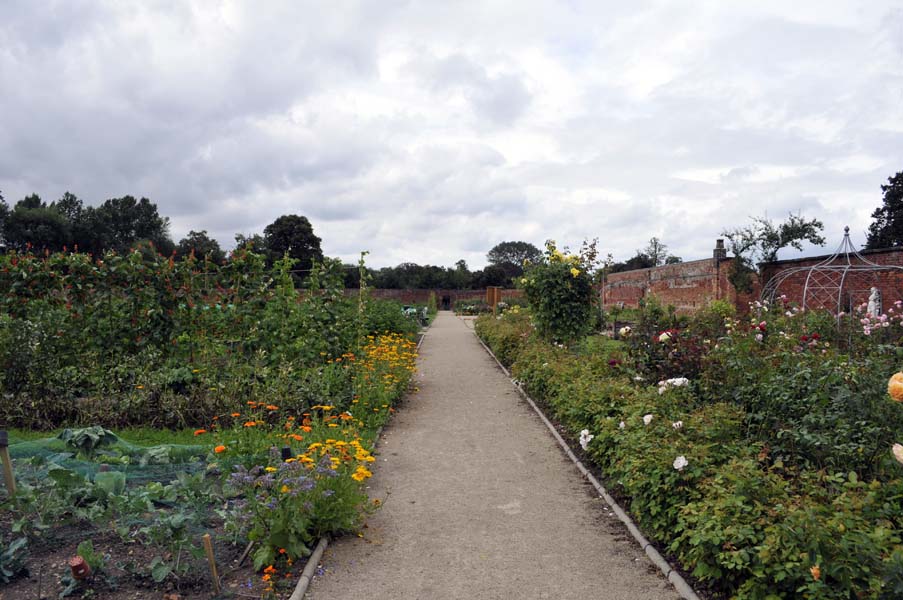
[208, 550]
[8, 477]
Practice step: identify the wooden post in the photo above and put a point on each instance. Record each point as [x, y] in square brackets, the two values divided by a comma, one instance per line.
[7, 464]
[208, 550]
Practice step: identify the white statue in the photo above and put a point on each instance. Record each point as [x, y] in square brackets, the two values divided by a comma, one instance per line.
[874, 308]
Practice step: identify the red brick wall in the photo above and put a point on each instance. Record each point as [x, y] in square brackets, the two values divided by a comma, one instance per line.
[687, 286]
[422, 296]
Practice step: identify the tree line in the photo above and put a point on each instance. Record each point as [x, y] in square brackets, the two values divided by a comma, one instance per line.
[119, 224]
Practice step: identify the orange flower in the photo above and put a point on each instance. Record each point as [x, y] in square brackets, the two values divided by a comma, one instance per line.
[235, 414]
[895, 387]
[272, 407]
[200, 431]
[816, 572]
[296, 437]
[250, 423]
[306, 429]
[219, 449]
[270, 570]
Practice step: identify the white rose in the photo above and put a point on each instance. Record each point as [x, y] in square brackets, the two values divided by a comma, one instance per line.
[647, 419]
[680, 462]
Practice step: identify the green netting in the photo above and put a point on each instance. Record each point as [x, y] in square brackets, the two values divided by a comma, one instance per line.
[162, 463]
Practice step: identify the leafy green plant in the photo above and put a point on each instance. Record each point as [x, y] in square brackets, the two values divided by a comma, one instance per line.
[89, 440]
[559, 289]
[12, 559]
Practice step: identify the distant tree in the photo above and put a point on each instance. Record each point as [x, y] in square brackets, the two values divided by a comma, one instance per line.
[4, 215]
[673, 260]
[491, 275]
[762, 240]
[119, 223]
[202, 245]
[253, 242]
[887, 229]
[656, 251]
[510, 256]
[513, 252]
[640, 260]
[292, 235]
[32, 222]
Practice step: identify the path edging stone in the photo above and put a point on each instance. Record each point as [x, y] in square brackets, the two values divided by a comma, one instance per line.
[673, 576]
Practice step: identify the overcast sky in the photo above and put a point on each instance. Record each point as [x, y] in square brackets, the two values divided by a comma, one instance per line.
[430, 131]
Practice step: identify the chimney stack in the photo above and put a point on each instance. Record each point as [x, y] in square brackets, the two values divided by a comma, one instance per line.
[720, 252]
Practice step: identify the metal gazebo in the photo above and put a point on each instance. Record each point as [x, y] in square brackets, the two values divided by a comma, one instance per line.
[837, 283]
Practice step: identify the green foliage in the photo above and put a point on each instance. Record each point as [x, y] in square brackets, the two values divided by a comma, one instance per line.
[388, 315]
[87, 441]
[201, 246]
[768, 473]
[761, 241]
[504, 334]
[292, 236]
[560, 292]
[140, 339]
[12, 558]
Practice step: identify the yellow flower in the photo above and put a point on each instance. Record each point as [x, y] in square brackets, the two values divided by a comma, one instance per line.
[361, 474]
[575, 271]
[271, 469]
[895, 387]
[284, 489]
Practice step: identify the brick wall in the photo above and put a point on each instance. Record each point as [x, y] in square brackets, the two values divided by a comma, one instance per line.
[687, 286]
[422, 296]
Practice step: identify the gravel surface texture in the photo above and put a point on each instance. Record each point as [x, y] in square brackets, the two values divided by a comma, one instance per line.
[479, 501]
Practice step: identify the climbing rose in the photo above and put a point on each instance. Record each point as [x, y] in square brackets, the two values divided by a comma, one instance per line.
[895, 387]
[647, 419]
[680, 462]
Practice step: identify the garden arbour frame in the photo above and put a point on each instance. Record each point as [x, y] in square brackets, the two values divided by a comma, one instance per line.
[837, 283]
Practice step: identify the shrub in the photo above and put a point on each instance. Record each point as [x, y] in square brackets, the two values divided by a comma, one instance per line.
[560, 293]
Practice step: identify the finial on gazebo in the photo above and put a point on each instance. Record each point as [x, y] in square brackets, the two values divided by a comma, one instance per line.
[846, 230]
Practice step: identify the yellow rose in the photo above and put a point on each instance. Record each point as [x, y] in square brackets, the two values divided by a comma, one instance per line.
[895, 387]
[575, 271]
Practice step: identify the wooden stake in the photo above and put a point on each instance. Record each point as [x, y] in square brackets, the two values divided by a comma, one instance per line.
[208, 550]
[7, 464]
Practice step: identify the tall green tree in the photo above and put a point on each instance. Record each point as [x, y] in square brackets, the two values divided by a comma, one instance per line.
[509, 257]
[292, 235]
[887, 229]
[120, 223]
[762, 240]
[202, 245]
[32, 222]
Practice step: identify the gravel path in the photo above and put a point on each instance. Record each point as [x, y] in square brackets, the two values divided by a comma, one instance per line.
[479, 501]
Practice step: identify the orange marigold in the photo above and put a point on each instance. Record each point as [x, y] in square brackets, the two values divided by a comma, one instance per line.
[250, 423]
[200, 431]
[219, 449]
